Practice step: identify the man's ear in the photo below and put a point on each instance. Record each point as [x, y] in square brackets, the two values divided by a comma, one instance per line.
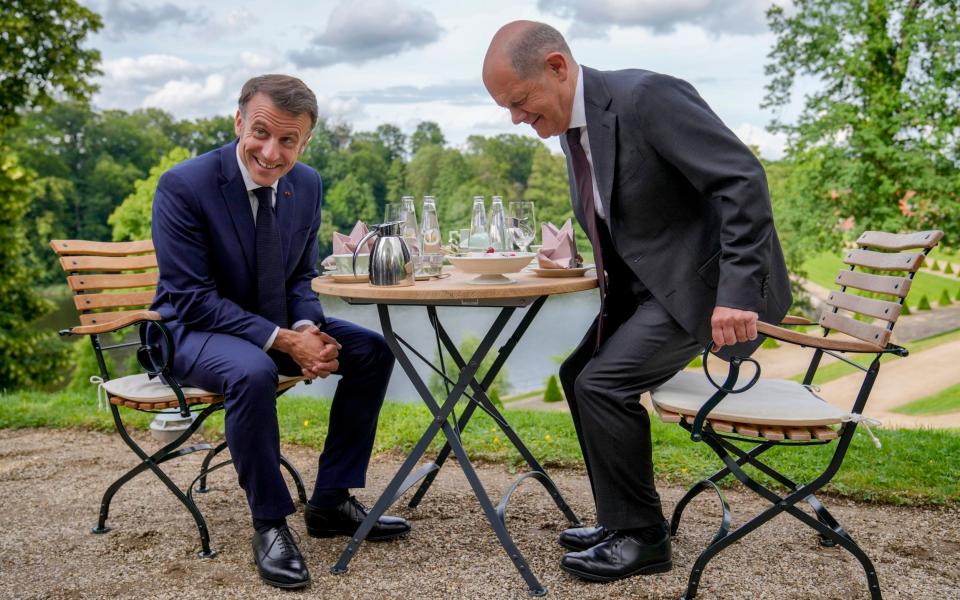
[303, 146]
[556, 64]
[238, 123]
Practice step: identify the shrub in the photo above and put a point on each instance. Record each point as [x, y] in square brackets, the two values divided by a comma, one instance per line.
[770, 343]
[945, 298]
[906, 310]
[948, 270]
[935, 266]
[924, 303]
[552, 393]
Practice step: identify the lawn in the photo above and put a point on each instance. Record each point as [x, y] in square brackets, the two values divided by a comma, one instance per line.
[839, 369]
[890, 475]
[822, 269]
[944, 401]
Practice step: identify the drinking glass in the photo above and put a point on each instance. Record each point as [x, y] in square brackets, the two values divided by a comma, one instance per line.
[522, 223]
[393, 212]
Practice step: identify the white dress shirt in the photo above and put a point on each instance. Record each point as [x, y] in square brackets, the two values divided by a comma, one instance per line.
[578, 118]
[254, 205]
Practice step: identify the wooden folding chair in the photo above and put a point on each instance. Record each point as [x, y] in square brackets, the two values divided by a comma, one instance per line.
[114, 284]
[786, 414]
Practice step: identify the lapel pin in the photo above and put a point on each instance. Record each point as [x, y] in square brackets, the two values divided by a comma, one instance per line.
[287, 193]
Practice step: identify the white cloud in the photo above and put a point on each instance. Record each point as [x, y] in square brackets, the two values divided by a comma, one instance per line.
[259, 62]
[150, 67]
[772, 145]
[591, 18]
[361, 30]
[183, 95]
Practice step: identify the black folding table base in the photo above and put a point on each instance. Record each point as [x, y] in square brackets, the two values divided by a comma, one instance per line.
[406, 477]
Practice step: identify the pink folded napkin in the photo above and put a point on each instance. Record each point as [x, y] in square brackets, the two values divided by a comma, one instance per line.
[345, 244]
[559, 249]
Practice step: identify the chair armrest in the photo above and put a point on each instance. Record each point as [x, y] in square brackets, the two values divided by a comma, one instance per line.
[824, 343]
[124, 321]
[796, 320]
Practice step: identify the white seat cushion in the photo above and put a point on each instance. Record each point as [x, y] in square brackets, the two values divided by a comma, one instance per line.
[769, 402]
[140, 388]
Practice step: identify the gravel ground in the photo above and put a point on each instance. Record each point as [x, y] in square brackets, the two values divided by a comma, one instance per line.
[51, 482]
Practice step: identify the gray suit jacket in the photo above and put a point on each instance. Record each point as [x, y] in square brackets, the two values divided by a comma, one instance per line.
[686, 201]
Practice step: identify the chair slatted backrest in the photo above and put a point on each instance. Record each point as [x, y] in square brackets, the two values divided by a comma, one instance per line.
[109, 279]
[876, 251]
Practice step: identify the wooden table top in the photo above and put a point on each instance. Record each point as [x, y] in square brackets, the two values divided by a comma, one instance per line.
[454, 290]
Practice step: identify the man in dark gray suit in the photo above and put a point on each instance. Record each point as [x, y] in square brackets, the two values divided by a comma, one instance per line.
[678, 213]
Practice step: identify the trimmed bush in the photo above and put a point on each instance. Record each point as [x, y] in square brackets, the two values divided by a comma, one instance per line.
[924, 303]
[935, 266]
[906, 310]
[948, 270]
[552, 393]
[945, 298]
[770, 343]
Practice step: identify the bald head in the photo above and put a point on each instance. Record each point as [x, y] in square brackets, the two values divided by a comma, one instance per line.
[528, 69]
[524, 46]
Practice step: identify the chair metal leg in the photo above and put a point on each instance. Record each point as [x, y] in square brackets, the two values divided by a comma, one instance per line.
[205, 467]
[297, 479]
[152, 462]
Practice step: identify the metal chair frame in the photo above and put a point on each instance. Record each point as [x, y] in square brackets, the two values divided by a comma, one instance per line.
[156, 359]
[734, 458]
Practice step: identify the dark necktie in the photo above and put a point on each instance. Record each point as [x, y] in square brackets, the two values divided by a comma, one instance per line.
[271, 290]
[584, 180]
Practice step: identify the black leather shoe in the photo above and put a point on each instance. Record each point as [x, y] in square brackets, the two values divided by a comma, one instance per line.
[278, 559]
[583, 538]
[345, 519]
[619, 556]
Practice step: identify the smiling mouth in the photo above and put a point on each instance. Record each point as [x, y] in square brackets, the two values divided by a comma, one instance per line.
[266, 165]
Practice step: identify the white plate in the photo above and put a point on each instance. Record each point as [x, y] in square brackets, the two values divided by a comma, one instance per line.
[490, 268]
[572, 272]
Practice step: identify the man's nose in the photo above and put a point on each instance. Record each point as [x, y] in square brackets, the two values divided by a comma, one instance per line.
[270, 149]
[518, 115]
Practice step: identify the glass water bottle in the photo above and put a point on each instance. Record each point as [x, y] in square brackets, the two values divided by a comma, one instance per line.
[430, 237]
[408, 229]
[479, 240]
[497, 229]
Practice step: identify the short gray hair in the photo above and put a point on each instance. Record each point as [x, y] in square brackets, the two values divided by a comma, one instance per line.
[286, 92]
[530, 47]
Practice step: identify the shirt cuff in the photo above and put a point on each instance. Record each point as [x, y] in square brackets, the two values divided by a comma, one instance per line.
[302, 322]
[271, 339]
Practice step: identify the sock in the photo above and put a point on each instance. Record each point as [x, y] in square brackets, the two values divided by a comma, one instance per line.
[262, 525]
[328, 497]
[649, 535]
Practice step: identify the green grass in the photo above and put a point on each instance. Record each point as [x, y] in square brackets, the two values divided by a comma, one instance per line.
[839, 369]
[944, 401]
[891, 475]
[822, 269]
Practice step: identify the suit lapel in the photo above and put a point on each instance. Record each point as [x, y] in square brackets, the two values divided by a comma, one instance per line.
[602, 131]
[237, 202]
[286, 214]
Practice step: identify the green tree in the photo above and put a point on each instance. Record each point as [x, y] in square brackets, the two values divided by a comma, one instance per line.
[427, 133]
[877, 139]
[548, 188]
[133, 218]
[42, 54]
[27, 356]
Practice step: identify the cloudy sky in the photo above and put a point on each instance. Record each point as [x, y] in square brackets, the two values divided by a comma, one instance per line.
[405, 61]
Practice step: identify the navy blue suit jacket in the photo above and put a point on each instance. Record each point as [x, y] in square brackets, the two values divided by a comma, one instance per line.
[204, 234]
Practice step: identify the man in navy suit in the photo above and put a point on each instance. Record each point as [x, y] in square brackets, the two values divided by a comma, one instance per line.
[235, 234]
[679, 217]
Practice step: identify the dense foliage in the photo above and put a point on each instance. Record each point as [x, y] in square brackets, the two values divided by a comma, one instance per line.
[877, 144]
[42, 55]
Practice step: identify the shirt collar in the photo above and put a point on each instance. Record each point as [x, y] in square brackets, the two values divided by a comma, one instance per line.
[247, 180]
[578, 116]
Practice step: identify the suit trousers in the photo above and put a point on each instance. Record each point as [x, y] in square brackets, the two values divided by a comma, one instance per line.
[643, 346]
[247, 377]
